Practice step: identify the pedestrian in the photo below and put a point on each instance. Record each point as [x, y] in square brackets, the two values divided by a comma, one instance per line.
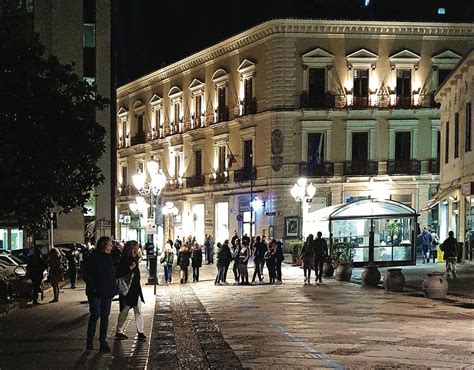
[220, 263]
[184, 255]
[116, 253]
[258, 257]
[262, 247]
[196, 258]
[227, 259]
[425, 240]
[279, 257]
[270, 262]
[35, 269]
[177, 244]
[129, 265]
[320, 255]
[167, 261]
[101, 287]
[235, 258]
[72, 263]
[450, 249]
[307, 255]
[244, 256]
[56, 271]
[210, 249]
[434, 245]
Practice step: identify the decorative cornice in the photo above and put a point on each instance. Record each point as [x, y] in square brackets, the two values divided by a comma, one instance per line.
[295, 27]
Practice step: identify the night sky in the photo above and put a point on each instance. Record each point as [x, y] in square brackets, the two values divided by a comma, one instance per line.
[152, 34]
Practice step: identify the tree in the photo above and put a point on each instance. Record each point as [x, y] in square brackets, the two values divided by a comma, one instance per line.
[50, 141]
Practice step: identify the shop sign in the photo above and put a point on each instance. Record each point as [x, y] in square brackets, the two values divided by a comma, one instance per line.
[124, 219]
[467, 189]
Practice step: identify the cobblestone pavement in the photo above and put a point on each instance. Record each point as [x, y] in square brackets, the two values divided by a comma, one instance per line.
[53, 335]
[336, 325]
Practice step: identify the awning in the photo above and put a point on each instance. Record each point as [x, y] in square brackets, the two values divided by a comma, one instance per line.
[439, 196]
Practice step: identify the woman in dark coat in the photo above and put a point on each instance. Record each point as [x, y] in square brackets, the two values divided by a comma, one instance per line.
[129, 265]
[196, 258]
[56, 271]
[184, 254]
[35, 269]
[307, 254]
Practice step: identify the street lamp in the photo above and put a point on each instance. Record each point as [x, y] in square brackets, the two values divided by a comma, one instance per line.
[139, 207]
[154, 187]
[170, 210]
[303, 192]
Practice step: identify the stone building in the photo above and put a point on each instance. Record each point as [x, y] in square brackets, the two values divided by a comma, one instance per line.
[347, 104]
[455, 199]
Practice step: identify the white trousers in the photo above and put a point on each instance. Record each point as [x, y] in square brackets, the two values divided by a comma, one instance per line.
[137, 310]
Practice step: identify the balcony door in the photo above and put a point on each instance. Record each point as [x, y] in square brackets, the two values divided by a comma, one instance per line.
[404, 87]
[402, 146]
[317, 86]
[315, 150]
[360, 147]
[198, 162]
[361, 87]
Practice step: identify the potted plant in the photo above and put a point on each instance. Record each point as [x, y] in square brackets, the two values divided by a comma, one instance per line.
[295, 247]
[343, 254]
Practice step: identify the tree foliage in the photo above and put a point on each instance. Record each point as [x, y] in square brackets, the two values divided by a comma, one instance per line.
[50, 141]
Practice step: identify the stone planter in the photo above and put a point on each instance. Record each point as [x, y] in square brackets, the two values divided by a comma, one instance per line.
[435, 285]
[328, 269]
[394, 280]
[344, 272]
[370, 276]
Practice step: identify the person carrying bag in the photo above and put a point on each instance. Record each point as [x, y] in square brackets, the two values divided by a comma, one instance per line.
[130, 291]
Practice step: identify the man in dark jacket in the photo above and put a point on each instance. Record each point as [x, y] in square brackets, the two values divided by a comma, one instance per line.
[279, 257]
[320, 255]
[450, 249]
[258, 258]
[72, 262]
[100, 289]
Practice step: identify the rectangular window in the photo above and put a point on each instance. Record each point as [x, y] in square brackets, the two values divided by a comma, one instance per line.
[315, 150]
[198, 110]
[88, 7]
[177, 165]
[88, 35]
[222, 166]
[124, 176]
[361, 82]
[317, 82]
[443, 75]
[403, 146]
[360, 146]
[176, 114]
[446, 144]
[158, 119]
[404, 82]
[468, 128]
[198, 162]
[248, 154]
[141, 167]
[438, 147]
[124, 129]
[221, 97]
[140, 129]
[248, 90]
[456, 135]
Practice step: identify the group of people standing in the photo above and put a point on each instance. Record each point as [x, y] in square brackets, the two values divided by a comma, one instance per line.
[187, 252]
[240, 251]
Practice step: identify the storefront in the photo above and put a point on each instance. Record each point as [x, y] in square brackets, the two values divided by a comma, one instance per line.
[380, 231]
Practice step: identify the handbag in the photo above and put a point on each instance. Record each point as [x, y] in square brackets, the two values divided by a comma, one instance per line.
[124, 283]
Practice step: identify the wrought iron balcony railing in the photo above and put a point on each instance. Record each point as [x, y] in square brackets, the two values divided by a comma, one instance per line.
[218, 178]
[325, 169]
[222, 114]
[249, 106]
[245, 174]
[411, 167]
[139, 138]
[361, 168]
[433, 166]
[317, 101]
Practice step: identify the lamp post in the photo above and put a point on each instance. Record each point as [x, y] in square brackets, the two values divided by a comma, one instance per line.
[154, 186]
[303, 192]
[139, 207]
[170, 210]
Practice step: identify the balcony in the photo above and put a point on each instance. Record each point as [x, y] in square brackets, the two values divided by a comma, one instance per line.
[404, 102]
[245, 174]
[222, 114]
[151, 135]
[249, 106]
[322, 170]
[120, 143]
[317, 101]
[411, 167]
[195, 181]
[360, 102]
[174, 184]
[433, 166]
[139, 138]
[123, 191]
[218, 178]
[367, 168]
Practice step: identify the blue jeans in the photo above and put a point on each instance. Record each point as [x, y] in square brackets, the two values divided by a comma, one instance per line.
[98, 308]
[168, 273]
